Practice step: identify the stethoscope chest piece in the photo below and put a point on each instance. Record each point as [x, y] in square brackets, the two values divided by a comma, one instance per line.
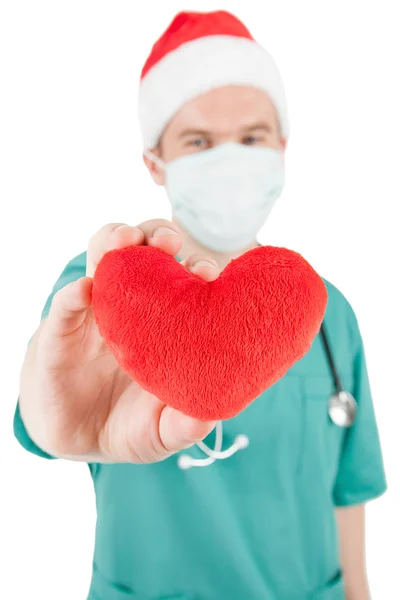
[342, 409]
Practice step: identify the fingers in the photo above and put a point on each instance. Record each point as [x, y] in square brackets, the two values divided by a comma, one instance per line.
[69, 306]
[159, 233]
[178, 431]
[141, 429]
[163, 234]
[203, 266]
[110, 237]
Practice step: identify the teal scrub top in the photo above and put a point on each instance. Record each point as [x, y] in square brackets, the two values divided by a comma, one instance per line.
[261, 524]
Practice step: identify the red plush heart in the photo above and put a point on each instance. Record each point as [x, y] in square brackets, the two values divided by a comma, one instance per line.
[207, 348]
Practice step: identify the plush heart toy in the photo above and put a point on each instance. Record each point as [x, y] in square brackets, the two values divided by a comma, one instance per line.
[207, 348]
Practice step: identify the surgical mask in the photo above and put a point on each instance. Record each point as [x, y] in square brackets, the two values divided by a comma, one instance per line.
[224, 195]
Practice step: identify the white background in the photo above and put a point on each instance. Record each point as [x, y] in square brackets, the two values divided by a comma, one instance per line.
[71, 162]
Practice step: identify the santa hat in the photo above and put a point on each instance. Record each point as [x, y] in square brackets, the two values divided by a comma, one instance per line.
[199, 52]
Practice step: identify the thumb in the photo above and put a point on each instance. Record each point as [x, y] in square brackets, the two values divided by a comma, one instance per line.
[178, 431]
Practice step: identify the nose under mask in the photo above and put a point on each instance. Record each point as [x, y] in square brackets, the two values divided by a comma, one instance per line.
[224, 195]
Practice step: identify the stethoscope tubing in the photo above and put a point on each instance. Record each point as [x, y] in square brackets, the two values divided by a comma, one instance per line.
[329, 356]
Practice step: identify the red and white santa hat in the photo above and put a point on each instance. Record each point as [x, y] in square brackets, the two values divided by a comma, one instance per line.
[200, 51]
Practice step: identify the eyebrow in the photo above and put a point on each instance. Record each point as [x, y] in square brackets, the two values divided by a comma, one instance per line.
[257, 126]
[188, 132]
[204, 132]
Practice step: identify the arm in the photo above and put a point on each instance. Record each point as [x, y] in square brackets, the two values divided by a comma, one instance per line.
[75, 269]
[361, 474]
[351, 526]
[75, 401]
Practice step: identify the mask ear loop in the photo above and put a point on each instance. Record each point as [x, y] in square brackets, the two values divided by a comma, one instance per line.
[151, 156]
[241, 441]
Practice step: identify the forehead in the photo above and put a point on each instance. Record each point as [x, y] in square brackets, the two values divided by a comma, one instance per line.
[225, 109]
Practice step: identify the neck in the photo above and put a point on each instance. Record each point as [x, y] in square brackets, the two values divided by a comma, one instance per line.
[191, 246]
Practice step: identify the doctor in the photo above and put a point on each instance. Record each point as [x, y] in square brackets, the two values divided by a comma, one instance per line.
[281, 519]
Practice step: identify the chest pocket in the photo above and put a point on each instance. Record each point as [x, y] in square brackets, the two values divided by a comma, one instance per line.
[322, 439]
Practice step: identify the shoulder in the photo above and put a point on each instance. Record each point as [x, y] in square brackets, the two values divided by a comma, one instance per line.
[336, 298]
[77, 262]
[74, 269]
[338, 303]
[340, 316]
[341, 329]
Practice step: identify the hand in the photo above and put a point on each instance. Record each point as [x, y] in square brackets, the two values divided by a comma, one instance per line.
[85, 407]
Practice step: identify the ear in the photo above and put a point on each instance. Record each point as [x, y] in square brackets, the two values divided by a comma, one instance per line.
[155, 171]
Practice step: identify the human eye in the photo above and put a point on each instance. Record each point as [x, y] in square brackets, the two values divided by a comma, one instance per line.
[197, 142]
[252, 140]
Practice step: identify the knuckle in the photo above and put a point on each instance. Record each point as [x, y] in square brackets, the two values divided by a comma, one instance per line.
[58, 300]
[153, 450]
[93, 242]
[110, 227]
[149, 226]
[96, 234]
[161, 223]
[102, 233]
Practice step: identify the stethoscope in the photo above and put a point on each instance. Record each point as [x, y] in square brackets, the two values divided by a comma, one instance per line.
[342, 409]
[342, 406]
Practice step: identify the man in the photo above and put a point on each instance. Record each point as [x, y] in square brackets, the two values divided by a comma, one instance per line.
[282, 519]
